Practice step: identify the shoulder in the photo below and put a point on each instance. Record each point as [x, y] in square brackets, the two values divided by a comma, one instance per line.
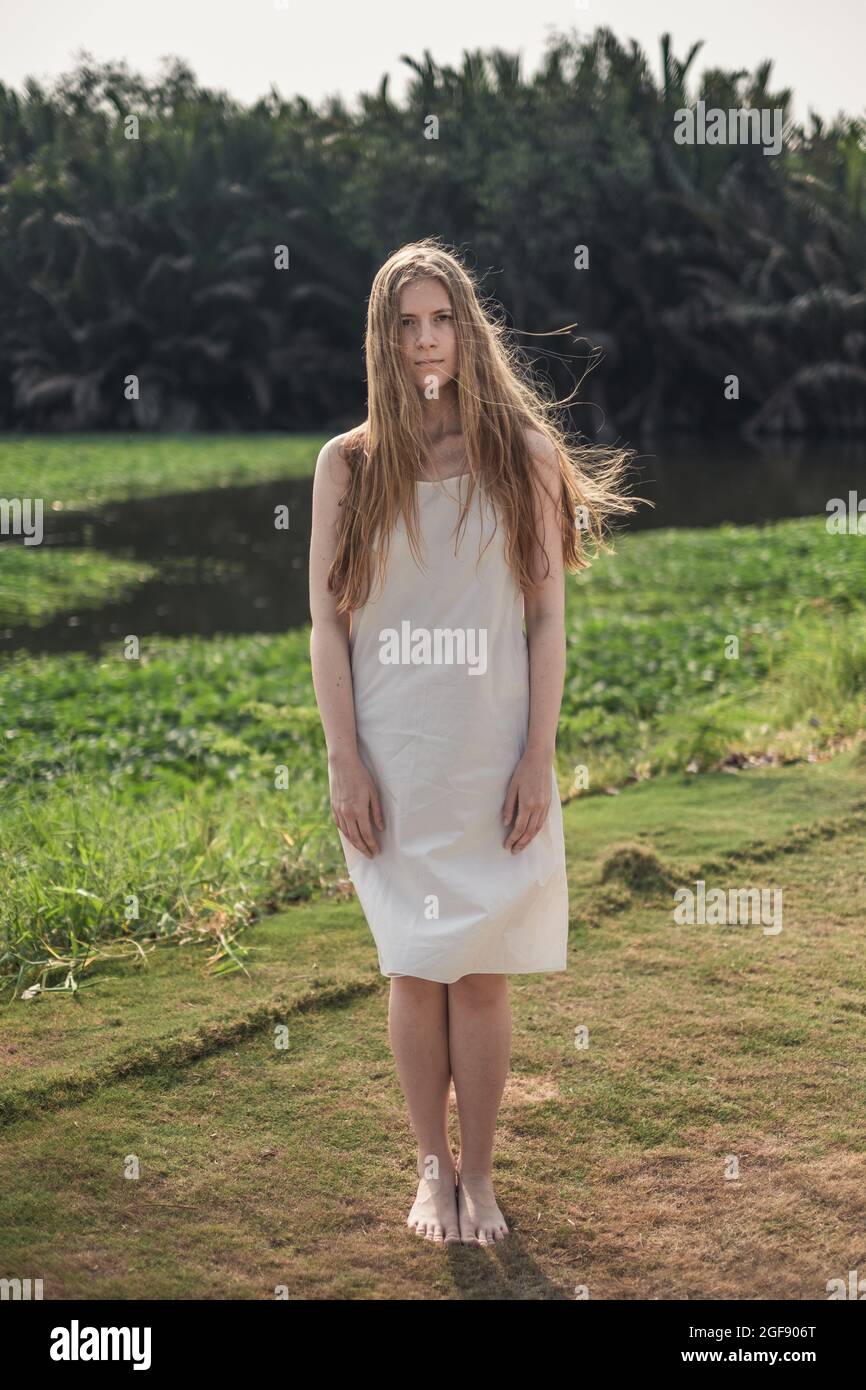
[332, 465]
[543, 457]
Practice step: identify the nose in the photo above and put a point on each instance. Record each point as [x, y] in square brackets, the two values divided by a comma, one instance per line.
[426, 333]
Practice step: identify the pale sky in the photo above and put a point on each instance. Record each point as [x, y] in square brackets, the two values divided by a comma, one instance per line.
[316, 47]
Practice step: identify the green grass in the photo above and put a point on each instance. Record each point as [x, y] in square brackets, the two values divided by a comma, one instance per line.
[689, 645]
[263, 1167]
[37, 582]
[227, 709]
[82, 470]
[194, 778]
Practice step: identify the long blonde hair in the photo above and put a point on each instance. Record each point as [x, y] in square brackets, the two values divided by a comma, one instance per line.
[497, 402]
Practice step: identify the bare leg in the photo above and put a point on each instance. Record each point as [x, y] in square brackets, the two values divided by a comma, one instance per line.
[479, 1024]
[418, 1025]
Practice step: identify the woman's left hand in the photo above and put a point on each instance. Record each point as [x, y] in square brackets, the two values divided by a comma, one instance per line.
[527, 800]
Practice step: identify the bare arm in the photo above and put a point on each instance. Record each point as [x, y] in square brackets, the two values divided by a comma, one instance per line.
[544, 608]
[354, 796]
[329, 641]
[527, 802]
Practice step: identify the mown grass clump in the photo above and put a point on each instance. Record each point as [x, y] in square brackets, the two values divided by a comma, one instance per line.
[636, 866]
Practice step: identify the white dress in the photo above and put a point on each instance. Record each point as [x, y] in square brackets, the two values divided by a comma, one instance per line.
[441, 736]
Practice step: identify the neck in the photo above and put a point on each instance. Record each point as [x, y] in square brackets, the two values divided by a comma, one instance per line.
[441, 417]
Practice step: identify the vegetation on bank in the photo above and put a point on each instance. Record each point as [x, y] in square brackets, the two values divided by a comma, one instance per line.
[194, 781]
[158, 256]
[37, 582]
[79, 471]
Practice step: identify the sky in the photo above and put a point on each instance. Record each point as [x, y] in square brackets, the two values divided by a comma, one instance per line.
[316, 47]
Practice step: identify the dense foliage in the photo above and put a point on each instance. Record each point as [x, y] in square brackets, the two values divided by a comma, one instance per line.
[155, 255]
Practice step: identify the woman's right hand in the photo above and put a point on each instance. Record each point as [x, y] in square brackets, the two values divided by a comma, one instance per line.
[355, 803]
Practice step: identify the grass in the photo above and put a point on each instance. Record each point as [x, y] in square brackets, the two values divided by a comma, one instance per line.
[263, 1166]
[37, 583]
[181, 799]
[81, 470]
[193, 780]
[688, 646]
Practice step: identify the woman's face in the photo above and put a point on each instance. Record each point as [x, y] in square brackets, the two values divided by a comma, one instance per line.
[429, 338]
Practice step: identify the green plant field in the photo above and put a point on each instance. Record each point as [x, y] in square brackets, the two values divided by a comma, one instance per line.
[82, 470]
[648, 679]
[36, 583]
[194, 778]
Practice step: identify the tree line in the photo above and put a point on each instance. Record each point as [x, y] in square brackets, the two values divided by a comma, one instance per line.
[705, 286]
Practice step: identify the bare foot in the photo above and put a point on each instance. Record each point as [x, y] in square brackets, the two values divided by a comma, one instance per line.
[434, 1213]
[481, 1221]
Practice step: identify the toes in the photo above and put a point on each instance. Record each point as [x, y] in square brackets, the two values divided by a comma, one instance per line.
[434, 1233]
[490, 1235]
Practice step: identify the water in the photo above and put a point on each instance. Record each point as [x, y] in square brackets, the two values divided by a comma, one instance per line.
[705, 483]
[223, 568]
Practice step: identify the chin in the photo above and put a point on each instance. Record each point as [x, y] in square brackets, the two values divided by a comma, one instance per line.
[423, 375]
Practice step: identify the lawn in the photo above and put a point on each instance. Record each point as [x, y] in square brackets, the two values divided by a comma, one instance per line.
[175, 1136]
[198, 1100]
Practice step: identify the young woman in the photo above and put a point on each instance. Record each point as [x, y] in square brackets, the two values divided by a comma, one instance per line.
[439, 524]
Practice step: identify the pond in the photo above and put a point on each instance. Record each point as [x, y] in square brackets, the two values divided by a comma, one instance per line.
[224, 568]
